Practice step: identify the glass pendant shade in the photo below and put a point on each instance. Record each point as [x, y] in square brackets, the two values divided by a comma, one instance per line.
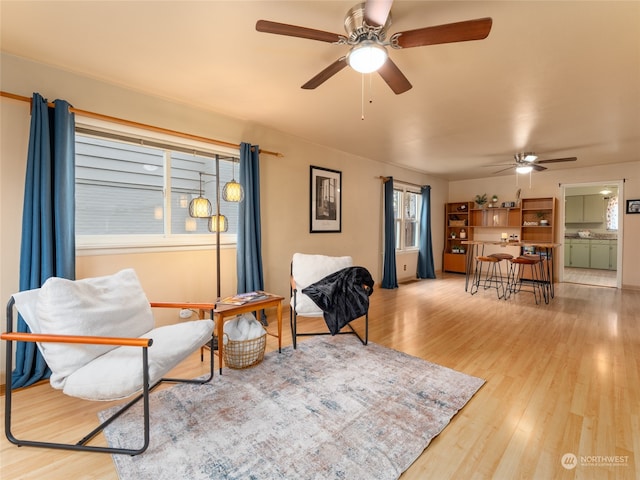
[200, 207]
[367, 57]
[524, 169]
[218, 223]
[233, 192]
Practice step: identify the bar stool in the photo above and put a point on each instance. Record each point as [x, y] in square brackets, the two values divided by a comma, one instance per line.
[503, 256]
[492, 278]
[515, 280]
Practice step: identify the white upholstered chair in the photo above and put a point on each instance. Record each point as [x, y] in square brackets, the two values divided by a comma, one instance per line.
[97, 336]
[306, 270]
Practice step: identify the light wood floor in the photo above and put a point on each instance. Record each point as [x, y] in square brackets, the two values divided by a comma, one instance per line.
[590, 276]
[560, 378]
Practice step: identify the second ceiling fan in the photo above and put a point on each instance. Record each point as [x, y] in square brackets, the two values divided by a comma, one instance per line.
[366, 25]
[527, 162]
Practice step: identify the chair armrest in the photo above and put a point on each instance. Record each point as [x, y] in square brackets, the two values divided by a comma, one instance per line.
[195, 306]
[293, 284]
[43, 337]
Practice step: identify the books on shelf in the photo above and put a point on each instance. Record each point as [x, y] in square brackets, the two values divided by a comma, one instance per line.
[242, 298]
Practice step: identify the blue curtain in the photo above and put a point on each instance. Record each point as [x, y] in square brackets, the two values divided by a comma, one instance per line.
[249, 249]
[48, 218]
[425, 253]
[389, 275]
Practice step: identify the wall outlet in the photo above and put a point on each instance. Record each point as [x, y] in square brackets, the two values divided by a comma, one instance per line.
[405, 268]
[185, 313]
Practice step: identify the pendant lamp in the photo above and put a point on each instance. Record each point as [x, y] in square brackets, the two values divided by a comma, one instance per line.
[218, 223]
[200, 207]
[232, 191]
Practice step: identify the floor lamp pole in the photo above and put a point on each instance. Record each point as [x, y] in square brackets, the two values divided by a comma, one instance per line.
[218, 226]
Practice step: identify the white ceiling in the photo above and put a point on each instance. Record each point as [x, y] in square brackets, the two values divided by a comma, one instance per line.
[560, 78]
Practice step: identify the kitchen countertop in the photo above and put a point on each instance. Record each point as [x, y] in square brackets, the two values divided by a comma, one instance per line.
[594, 236]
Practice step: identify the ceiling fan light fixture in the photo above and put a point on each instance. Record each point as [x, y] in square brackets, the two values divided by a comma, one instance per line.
[524, 168]
[530, 157]
[367, 56]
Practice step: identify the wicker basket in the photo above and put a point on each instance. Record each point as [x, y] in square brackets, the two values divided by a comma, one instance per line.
[457, 223]
[244, 353]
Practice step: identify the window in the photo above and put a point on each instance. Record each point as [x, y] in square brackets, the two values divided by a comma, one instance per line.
[406, 208]
[612, 213]
[136, 192]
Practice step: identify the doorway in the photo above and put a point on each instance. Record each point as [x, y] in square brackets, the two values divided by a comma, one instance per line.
[592, 233]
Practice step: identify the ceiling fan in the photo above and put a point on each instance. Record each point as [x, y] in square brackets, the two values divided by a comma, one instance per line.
[525, 162]
[366, 25]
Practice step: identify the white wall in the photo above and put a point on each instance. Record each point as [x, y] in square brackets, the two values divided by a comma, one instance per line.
[284, 189]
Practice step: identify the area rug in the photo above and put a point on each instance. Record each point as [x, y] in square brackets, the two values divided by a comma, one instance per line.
[332, 409]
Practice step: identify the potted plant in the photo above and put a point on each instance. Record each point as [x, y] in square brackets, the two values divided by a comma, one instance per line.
[541, 215]
[481, 200]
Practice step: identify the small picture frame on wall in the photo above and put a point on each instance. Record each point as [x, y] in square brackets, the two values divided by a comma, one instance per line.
[325, 202]
[633, 206]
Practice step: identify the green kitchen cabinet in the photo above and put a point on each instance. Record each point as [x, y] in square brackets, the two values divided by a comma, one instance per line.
[613, 254]
[584, 209]
[593, 209]
[573, 209]
[600, 254]
[579, 253]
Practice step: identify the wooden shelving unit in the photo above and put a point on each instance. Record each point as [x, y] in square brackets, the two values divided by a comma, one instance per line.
[495, 217]
[524, 221]
[456, 230]
[534, 211]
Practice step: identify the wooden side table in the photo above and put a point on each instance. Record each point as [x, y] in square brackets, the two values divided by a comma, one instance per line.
[221, 311]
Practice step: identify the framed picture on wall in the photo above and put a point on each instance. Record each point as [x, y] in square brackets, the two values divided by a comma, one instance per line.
[325, 202]
[633, 206]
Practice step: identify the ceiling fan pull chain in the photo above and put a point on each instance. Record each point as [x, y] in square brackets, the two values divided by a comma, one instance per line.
[362, 97]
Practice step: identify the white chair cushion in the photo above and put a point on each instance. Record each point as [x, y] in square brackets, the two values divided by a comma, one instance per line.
[110, 306]
[118, 373]
[307, 269]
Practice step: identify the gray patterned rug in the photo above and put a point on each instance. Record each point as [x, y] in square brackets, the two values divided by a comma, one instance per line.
[332, 409]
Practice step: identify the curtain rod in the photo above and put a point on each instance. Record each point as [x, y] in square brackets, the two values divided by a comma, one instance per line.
[386, 179]
[152, 128]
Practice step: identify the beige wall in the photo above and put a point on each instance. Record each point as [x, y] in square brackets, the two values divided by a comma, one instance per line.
[190, 275]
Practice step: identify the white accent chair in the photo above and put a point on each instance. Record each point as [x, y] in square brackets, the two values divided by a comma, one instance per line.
[98, 338]
[307, 269]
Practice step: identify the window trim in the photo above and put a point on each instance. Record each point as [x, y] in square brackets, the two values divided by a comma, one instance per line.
[119, 244]
[404, 188]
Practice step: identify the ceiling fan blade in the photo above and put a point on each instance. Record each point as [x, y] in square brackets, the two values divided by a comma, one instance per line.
[452, 32]
[503, 170]
[376, 12]
[326, 74]
[295, 31]
[538, 168]
[558, 160]
[396, 80]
